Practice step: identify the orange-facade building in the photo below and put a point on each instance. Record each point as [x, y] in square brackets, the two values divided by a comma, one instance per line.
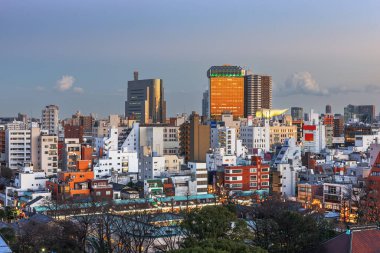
[73, 183]
[226, 90]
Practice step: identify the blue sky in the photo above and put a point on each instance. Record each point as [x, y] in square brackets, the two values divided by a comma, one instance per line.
[318, 52]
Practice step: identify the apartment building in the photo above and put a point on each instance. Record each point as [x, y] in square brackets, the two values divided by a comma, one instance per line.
[254, 175]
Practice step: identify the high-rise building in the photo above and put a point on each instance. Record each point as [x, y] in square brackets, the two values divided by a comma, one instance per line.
[252, 95]
[364, 113]
[257, 93]
[17, 147]
[297, 113]
[226, 90]
[194, 139]
[146, 101]
[49, 119]
[205, 104]
[266, 92]
[328, 109]
[338, 125]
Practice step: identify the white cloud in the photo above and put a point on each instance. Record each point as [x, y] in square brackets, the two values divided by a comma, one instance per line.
[40, 88]
[78, 90]
[301, 83]
[65, 83]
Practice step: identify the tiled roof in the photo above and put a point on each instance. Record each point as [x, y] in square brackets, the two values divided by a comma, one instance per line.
[366, 241]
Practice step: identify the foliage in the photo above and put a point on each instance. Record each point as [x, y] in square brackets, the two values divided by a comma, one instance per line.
[279, 227]
[221, 246]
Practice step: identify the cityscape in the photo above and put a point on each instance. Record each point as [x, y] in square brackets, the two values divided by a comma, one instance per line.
[248, 163]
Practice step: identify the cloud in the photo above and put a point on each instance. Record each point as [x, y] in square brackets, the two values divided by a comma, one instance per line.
[78, 90]
[40, 88]
[65, 83]
[369, 88]
[301, 83]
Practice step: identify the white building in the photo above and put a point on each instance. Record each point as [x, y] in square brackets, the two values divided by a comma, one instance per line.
[184, 185]
[151, 167]
[71, 154]
[289, 151]
[48, 154]
[256, 138]
[219, 158]
[17, 147]
[224, 137]
[28, 184]
[314, 138]
[199, 172]
[363, 142]
[116, 161]
[288, 178]
[49, 119]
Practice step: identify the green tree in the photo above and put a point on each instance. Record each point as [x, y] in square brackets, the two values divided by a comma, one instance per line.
[221, 246]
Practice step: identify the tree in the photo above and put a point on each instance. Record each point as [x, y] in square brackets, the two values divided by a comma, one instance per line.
[212, 222]
[221, 246]
[278, 226]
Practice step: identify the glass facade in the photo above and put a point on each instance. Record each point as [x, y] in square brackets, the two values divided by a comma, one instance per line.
[226, 95]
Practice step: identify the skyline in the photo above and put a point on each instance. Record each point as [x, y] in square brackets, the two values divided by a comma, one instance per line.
[80, 56]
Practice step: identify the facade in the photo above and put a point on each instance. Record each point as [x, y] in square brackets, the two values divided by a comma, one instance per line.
[199, 172]
[146, 102]
[48, 154]
[224, 137]
[266, 92]
[74, 131]
[151, 167]
[205, 104]
[279, 133]
[17, 147]
[351, 130]
[247, 177]
[49, 119]
[297, 113]
[328, 121]
[338, 125]
[309, 193]
[71, 154]
[255, 138]
[364, 113]
[27, 184]
[226, 90]
[258, 93]
[194, 139]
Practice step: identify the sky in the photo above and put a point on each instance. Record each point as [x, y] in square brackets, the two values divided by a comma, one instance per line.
[80, 55]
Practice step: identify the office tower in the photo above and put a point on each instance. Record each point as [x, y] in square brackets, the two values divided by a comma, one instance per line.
[194, 139]
[226, 90]
[205, 104]
[328, 109]
[338, 125]
[297, 113]
[266, 92]
[257, 93]
[49, 119]
[146, 100]
[364, 113]
[252, 95]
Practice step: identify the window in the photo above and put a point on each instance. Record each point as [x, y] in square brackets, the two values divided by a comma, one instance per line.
[253, 178]
[98, 193]
[265, 184]
[253, 184]
[236, 171]
[252, 170]
[265, 169]
[108, 192]
[264, 176]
